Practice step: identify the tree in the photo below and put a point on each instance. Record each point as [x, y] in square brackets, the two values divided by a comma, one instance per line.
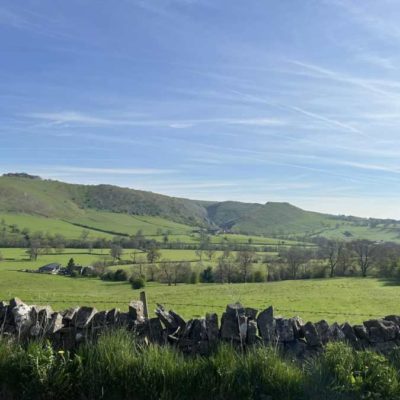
[295, 257]
[207, 276]
[70, 266]
[153, 254]
[152, 271]
[116, 252]
[84, 235]
[210, 253]
[1, 256]
[181, 272]
[245, 260]
[165, 239]
[199, 253]
[345, 260]
[225, 269]
[34, 249]
[332, 252]
[167, 273]
[139, 241]
[364, 250]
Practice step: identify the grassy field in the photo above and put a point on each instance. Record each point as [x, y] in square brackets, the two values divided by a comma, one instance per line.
[353, 299]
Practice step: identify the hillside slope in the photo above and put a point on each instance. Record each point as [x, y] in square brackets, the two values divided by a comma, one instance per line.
[102, 207]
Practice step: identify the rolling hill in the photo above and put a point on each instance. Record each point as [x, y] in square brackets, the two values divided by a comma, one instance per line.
[30, 202]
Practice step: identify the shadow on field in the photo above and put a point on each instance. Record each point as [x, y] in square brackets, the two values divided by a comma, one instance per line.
[389, 282]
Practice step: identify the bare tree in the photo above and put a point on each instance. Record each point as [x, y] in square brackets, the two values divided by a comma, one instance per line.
[364, 250]
[210, 253]
[152, 270]
[332, 251]
[245, 260]
[225, 269]
[295, 257]
[116, 252]
[345, 260]
[166, 270]
[153, 254]
[199, 253]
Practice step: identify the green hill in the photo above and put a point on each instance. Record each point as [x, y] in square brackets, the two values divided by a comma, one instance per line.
[30, 202]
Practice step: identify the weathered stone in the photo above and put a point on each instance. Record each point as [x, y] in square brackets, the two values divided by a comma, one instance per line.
[212, 327]
[136, 310]
[296, 348]
[178, 320]
[155, 330]
[172, 321]
[284, 330]
[67, 337]
[297, 324]
[84, 316]
[323, 331]
[361, 332]
[56, 323]
[123, 319]
[242, 327]
[251, 332]
[381, 330]
[15, 302]
[266, 324]
[393, 318]
[385, 347]
[44, 315]
[100, 319]
[193, 330]
[235, 309]
[35, 330]
[311, 334]
[22, 318]
[69, 315]
[112, 317]
[335, 334]
[4, 312]
[251, 312]
[229, 327]
[350, 335]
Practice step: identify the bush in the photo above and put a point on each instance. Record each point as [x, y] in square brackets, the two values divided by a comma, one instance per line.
[258, 276]
[207, 276]
[194, 278]
[119, 275]
[137, 282]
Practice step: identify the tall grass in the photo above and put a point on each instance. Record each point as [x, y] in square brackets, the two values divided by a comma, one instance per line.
[117, 367]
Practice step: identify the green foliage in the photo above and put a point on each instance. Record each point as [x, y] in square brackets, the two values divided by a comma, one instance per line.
[105, 210]
[259, 276]
[207, 276]
[137, 283]
[361, 374]
[119, 275]
[117, 367]
[194, 278]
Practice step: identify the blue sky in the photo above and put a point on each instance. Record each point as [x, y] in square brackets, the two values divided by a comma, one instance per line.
[255, 101]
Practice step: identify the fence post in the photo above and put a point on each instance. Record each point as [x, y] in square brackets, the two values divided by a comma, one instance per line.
[143, 298]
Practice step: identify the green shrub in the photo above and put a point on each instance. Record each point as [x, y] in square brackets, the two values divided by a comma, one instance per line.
[119, 275]
[137, 282]
[194, 278]
[259, 276]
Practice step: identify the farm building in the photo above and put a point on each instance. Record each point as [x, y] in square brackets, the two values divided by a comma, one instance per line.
[52, 268]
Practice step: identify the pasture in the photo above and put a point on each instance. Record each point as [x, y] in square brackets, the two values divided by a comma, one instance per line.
[351, 299]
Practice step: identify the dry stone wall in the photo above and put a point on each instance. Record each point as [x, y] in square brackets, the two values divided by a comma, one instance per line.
[239, 325]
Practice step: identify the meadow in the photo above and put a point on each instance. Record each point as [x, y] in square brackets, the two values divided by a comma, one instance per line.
[342, 299]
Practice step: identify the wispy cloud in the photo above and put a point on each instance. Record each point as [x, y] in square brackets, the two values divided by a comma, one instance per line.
[106, 171]
[73, 117]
